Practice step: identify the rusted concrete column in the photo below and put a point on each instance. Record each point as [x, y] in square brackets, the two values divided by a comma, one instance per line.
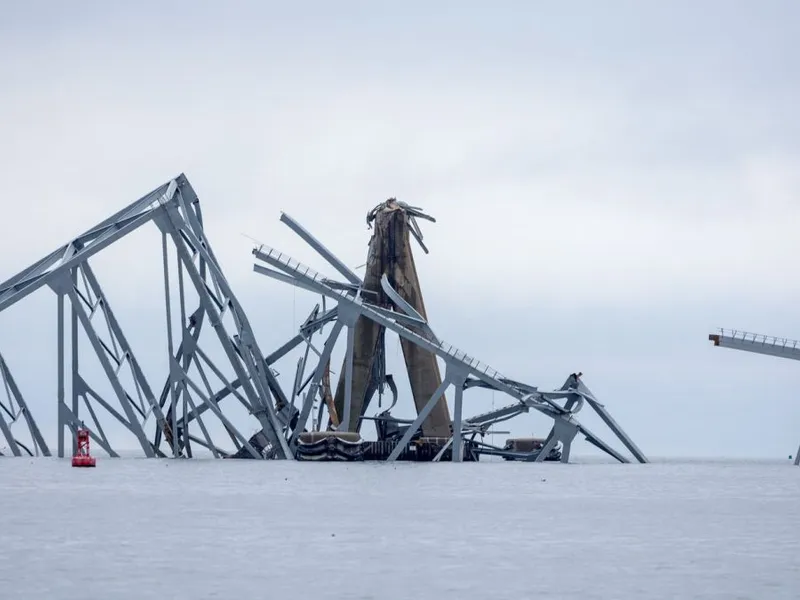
[390, 254]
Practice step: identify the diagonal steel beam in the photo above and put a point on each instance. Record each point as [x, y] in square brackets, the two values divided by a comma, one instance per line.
[86, 245]
[609, 420]
[255, 388]
[315, 381]
[122, 396]
[22, 405]
[120, 338]
[321, 249]
[423, 414]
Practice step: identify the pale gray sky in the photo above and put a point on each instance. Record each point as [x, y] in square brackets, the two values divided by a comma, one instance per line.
[612, 180]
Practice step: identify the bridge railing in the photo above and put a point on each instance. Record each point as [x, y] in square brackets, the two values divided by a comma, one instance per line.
[759, 338]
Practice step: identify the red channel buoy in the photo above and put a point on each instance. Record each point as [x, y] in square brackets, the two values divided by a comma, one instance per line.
[82, 457]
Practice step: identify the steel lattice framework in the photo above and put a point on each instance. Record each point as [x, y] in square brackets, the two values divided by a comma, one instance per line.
[187, 394]
[170, 418]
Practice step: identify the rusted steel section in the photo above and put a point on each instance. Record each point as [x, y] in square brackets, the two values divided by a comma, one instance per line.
[327, 396]
[390, 254]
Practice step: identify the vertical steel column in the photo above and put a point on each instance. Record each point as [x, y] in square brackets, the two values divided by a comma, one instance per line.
[348, 377]
[61, 375]
[73, 282]
[458, 448]
[170, 346]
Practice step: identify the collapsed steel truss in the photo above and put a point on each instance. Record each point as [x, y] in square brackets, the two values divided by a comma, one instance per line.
[461, 370]
[187, 393]
[196, 386]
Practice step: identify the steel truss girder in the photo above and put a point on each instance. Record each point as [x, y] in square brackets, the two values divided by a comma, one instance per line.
[758, 344]
[461, 369]
[174, 208]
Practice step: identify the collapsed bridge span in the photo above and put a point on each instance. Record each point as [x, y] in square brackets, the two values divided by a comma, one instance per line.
[179, 418]
[366, 311]
[215, 367]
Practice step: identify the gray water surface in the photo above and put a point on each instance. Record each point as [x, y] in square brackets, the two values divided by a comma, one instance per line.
[178, 529]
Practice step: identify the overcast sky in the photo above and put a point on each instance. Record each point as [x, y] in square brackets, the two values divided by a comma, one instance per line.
[612, 181]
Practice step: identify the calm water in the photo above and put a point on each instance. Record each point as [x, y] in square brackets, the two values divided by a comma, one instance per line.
[139, 529]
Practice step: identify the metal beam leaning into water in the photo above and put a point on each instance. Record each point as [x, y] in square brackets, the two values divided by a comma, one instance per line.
[455, 375]
[15, 408]
[580, 388]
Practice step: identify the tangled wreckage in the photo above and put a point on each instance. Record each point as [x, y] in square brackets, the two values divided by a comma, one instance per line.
[307, 419]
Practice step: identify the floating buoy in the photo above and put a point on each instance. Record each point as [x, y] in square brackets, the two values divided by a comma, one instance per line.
[82, 457]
